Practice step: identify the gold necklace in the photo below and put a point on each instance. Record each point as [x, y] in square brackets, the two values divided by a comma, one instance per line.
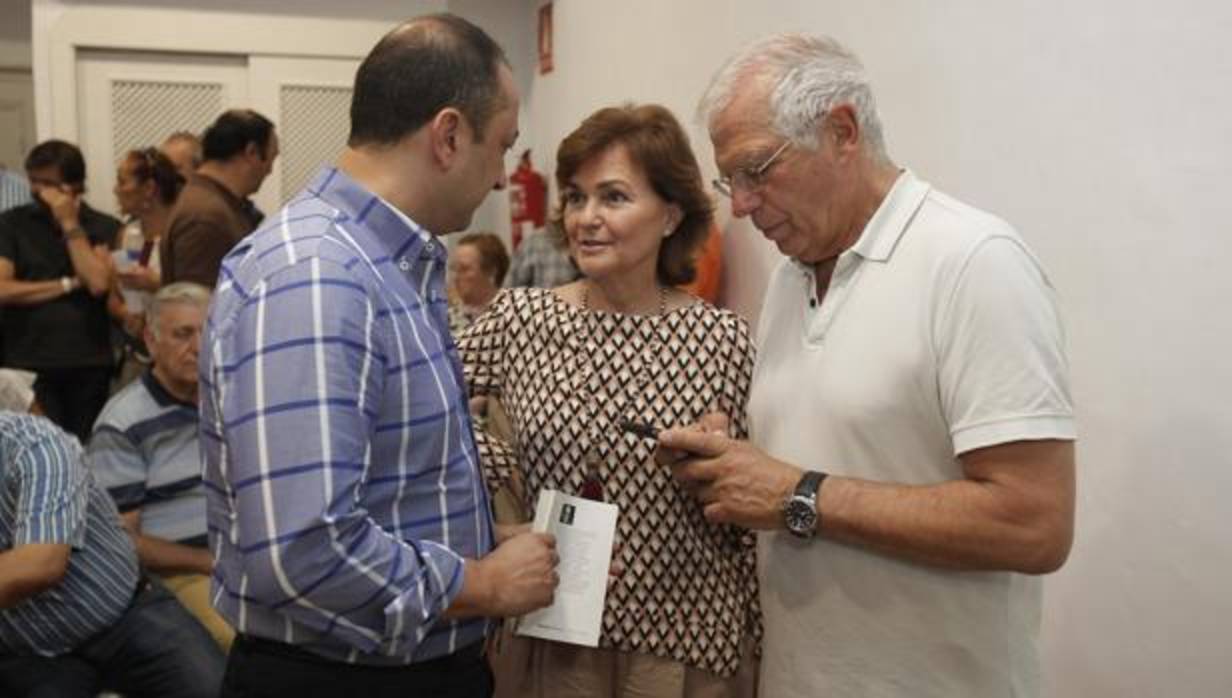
[662, 299]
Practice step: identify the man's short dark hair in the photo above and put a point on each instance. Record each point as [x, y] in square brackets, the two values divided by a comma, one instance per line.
[64, 156]
[420, 68]
[232, 131]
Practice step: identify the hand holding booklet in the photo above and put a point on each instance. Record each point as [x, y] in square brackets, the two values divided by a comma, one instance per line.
[585, 531]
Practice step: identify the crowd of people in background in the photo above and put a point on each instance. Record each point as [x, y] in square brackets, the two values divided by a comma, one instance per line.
[100, 328]
[101, 320]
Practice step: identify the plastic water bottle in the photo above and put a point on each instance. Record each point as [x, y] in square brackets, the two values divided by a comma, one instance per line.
[131, 243]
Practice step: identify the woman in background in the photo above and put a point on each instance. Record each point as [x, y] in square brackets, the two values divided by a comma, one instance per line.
[147, 185]
[477, 267]
[570, 365]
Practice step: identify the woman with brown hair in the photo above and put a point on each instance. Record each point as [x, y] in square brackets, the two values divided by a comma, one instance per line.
[147, 185]
[569, 365]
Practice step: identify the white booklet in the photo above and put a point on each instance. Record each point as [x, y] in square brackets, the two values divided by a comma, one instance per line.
[585, 531]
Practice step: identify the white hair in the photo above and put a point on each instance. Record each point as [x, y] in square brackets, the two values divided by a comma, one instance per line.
[179, 292]
[16, 390]
[805, 77]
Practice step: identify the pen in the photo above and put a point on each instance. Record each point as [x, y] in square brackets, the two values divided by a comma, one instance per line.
[646, 431]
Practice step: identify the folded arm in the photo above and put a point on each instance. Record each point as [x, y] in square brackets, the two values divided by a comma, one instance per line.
[29, 570]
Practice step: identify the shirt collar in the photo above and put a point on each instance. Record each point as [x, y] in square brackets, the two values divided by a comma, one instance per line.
[234, 202]
[886, 227]
[396, 234]
[160, 394]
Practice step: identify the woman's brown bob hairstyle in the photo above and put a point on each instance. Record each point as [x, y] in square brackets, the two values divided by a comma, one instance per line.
[657, 144]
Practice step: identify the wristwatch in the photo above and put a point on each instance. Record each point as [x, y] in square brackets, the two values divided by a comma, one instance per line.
[800, 509]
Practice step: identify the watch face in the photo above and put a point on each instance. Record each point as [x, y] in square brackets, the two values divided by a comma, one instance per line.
[800, 516]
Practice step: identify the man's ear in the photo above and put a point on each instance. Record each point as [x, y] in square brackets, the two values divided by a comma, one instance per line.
[252, 150]
[842, 125]
[446, 131]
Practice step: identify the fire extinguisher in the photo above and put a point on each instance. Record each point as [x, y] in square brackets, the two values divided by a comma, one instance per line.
[528, 193]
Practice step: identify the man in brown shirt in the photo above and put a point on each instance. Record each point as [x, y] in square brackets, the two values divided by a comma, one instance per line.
[212, 214]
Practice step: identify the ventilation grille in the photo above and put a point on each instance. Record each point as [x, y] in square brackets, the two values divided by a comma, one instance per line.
[313, 128]
[143, 113]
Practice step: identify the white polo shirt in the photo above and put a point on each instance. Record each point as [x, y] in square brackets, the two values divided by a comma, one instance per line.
[939, 334]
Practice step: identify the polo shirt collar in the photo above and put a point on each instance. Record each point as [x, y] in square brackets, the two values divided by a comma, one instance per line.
[397, 236]
[886, 227]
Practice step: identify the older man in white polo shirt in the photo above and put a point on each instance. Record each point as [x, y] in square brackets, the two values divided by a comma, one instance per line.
[912, 456]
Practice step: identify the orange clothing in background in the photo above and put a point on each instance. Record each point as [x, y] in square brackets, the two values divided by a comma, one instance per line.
[707, 284]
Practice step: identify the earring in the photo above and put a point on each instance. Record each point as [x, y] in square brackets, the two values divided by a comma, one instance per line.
[668, 232]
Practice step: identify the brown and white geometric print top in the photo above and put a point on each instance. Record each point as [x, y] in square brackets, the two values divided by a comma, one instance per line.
[567, 377]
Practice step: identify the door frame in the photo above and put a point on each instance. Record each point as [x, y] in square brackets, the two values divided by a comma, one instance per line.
[268, 75]
[61, 31]
[97, 69]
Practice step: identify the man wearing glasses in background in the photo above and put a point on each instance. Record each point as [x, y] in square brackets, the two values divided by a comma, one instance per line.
[911, 458]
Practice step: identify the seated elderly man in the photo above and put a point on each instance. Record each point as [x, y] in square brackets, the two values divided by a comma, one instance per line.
[144, 451]
[75, 615]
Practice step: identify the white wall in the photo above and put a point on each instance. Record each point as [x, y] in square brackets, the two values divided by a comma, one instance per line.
[505, 22]
[1103, 131]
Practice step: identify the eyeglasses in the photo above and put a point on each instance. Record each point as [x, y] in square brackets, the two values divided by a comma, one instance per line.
[748, 178]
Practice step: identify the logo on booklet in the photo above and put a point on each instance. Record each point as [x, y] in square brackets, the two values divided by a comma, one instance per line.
[566, 514]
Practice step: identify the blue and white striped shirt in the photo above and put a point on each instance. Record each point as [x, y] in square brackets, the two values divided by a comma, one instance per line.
[144, 450]
[342, 481]
[14, 190]
[48, 496]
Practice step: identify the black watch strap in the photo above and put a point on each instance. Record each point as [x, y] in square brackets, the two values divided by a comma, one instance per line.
[809, 484]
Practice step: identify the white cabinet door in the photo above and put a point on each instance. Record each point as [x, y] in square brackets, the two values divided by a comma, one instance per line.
[16, 118]
[309, 99]
[133, 99]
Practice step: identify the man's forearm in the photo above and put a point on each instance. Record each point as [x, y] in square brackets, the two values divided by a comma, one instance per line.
[165, 557]
[965, 524]
[31, 292]
[93, 271]
[475, 597]
[29, 570]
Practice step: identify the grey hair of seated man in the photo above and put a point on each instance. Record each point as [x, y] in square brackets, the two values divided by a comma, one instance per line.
[179, 292]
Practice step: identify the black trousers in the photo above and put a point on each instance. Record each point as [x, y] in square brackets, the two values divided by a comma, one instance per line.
[260, 668]
[73, 397]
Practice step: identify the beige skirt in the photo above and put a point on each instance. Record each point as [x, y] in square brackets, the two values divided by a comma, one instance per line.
[534, 668]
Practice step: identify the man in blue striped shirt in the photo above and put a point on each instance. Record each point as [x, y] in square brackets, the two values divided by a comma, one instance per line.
[14, 190]
[353, 541]
[75, 618]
